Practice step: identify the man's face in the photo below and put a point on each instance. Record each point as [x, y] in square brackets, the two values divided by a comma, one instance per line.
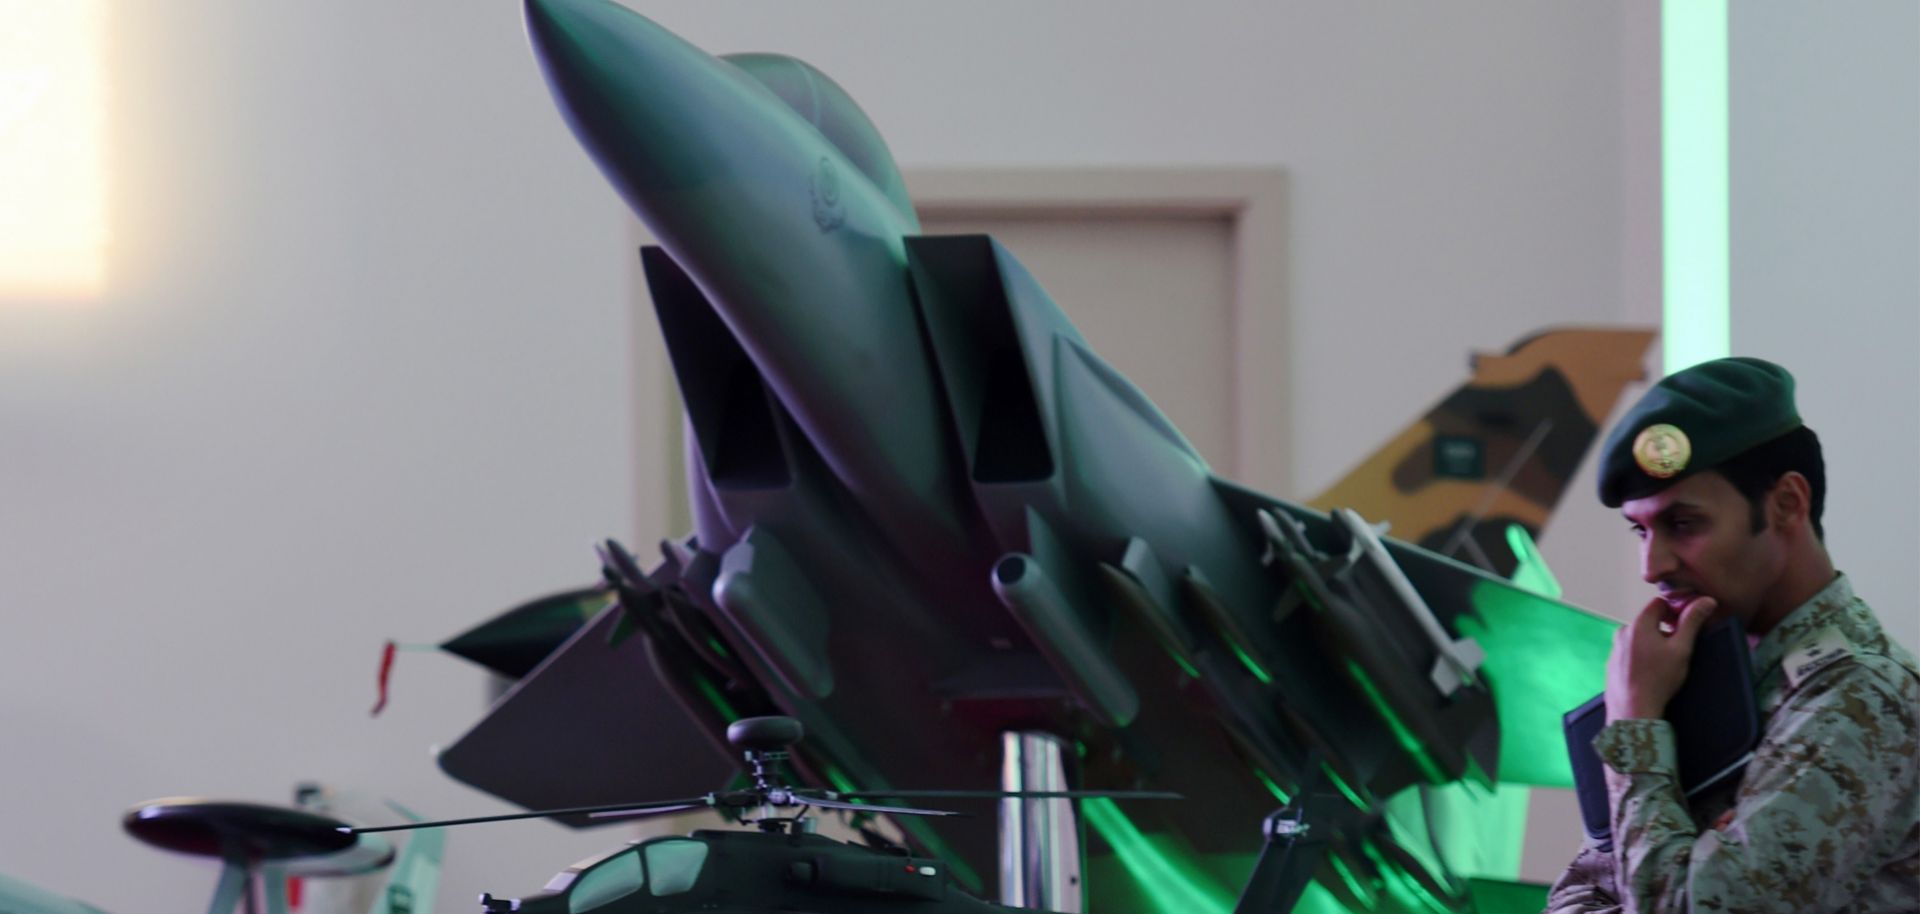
[1697, 540]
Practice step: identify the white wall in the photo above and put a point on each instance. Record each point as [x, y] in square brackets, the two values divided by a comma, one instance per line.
[1825, 204]
[361, 372]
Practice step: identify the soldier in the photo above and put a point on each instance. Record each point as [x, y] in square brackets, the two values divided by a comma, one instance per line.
[1724, 487]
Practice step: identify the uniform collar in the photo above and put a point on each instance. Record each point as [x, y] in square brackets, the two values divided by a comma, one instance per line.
[1833, 607]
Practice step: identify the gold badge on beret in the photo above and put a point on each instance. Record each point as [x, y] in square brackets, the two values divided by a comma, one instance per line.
[1662, 450]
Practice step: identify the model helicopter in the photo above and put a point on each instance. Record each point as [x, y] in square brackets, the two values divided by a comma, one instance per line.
[265, 850]
[778, 865]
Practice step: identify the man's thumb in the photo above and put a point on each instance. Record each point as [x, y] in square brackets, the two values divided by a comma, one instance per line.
[1695, 616]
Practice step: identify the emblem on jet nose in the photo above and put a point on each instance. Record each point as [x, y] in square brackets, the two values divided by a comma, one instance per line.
[827, 211]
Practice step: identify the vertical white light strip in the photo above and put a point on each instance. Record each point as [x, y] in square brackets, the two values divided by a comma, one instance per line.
[53, 212]
[1693, 181]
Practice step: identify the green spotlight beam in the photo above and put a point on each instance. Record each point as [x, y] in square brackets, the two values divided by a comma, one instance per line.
[1693, 182]
[1171, 884]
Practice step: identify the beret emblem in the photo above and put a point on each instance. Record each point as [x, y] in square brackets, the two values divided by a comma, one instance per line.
[1662, 450]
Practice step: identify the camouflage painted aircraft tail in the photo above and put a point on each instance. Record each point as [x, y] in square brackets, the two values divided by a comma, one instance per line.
[1498, 451]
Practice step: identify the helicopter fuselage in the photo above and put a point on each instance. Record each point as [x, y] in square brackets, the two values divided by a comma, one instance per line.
[747, 871]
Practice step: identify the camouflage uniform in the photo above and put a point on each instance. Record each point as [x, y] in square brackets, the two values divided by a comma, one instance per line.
[1827, 814]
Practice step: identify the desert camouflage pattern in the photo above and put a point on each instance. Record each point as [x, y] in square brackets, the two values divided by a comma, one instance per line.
[1827, 814]
[1500, 449]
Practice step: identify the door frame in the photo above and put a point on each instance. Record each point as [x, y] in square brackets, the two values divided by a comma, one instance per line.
[1252, 201]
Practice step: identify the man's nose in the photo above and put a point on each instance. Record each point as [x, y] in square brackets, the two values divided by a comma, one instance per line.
[1656, 560]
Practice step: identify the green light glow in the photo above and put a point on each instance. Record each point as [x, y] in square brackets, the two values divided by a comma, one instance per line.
[1184, 665]
[713, 696]
[1272, 788]
[1341, 784]
[1532, 572]
[1475, 832]
[1359, 889]
[1543, 659]
[1693, 179]
[1408, 824]
[1171, 887]
[1258, 672]
[1499, 896]
[1401, 734]
[1402, 886]
[717, 647]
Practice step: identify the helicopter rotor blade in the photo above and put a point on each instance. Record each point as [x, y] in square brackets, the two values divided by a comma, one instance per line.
[643, 811]
[998, 794]
[825, 803]
[707, 800]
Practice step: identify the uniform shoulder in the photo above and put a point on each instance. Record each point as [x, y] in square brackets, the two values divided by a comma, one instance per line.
[1892, 676]
[1870, 691]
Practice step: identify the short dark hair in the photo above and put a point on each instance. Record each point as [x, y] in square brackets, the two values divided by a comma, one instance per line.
[1755, 471]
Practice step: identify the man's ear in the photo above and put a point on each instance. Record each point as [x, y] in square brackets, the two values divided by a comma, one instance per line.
[1789, 501]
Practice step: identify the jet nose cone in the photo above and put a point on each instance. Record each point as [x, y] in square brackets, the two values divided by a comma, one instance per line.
[546, 18]
[637, 96]
[578, 36]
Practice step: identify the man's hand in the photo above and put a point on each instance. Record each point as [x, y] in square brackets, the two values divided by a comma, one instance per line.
[1650, 657]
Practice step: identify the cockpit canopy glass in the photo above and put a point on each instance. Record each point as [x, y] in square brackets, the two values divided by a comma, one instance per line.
[675, 864]
[591, 884]
[613, 878]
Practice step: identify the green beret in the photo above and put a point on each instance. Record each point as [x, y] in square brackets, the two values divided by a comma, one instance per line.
[1693, 420]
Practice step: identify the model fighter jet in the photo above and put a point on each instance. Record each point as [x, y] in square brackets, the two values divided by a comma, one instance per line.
[931, 524]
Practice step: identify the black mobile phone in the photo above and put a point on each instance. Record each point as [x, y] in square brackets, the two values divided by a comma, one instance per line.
[1716, 725]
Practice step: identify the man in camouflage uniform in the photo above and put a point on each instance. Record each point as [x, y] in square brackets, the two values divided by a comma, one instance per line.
[1724, 487]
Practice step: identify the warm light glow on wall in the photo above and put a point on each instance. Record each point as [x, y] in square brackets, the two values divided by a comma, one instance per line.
[53, 220]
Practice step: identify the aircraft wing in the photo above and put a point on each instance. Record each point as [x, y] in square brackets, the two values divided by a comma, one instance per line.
[597, 710]
[1542, 657]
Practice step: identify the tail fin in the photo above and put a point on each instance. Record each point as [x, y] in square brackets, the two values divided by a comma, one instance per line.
[1500, 449]
[1530, 571]
[416, 874]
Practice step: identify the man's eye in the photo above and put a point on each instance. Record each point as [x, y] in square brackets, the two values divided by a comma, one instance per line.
[1680, 525]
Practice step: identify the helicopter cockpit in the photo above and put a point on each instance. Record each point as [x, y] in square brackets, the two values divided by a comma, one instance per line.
[661, 867]
[759, 870]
